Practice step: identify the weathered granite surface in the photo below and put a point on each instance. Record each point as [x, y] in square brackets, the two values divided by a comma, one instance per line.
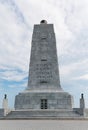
[32, 100]
[44, 82]
[43, 68]
[43, 114]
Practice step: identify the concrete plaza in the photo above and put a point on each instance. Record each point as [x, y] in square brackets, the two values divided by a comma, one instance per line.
[43, 124]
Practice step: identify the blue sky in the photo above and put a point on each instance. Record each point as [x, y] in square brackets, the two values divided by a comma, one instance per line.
[70, 19]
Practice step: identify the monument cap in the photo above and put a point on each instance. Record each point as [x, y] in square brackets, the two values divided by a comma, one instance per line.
[5, 96]
[43, 21]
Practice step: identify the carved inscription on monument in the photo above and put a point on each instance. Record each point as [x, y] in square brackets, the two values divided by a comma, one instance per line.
[43, 72]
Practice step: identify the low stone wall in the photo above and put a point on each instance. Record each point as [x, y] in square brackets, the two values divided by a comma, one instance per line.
[1, 113]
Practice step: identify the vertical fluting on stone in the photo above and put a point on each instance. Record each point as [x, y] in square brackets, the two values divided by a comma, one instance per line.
[43, 68]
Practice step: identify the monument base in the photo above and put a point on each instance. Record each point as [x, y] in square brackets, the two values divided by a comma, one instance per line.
[46, 99]
[43, 114]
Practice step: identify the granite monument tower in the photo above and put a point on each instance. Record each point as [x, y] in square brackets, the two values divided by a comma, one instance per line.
[44, 90]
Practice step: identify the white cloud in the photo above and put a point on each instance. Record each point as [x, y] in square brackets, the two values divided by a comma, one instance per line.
[83, 77]
[13, 86]
[74, 68]
[13, 75]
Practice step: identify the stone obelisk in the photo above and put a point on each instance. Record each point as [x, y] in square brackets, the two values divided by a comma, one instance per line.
[43, 69]
[44, 90]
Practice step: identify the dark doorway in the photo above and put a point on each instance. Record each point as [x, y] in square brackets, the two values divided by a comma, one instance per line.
[43, 103]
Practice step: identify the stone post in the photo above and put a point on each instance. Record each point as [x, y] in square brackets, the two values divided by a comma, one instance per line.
[82, 102]
[5, 104]
[82, 105]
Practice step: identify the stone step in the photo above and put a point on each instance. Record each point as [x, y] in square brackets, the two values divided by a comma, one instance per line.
[42, 113]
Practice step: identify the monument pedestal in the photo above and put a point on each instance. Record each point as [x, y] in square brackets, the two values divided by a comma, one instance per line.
[45, 99]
